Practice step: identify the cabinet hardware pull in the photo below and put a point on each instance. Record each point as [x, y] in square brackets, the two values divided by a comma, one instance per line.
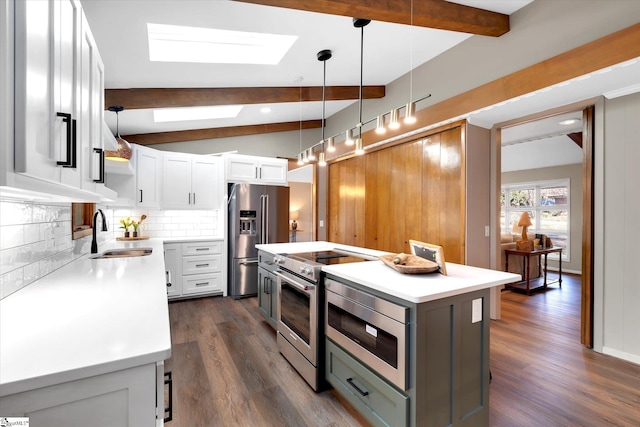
[202, 249]
[194, 198]
[202, 283]
[256, 174]
[358, 389]
[265, 289]
[169, 381]
[202, 265]
[100, 152]
[140, 196]
[66, 118]
[189, 198]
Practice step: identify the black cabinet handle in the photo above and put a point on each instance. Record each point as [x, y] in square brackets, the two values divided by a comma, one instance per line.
[100, 152]
[140, 196]
[358, 389]
[168, 380]
[189, 198]
[265, 288]
[66, 118]
[194, 198]
[74, 144]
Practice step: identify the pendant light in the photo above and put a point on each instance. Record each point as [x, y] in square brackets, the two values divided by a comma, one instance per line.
[323, 56]
[360, 23]
[123, 151]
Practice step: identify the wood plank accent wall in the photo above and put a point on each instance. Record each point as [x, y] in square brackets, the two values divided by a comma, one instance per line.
[414, 190]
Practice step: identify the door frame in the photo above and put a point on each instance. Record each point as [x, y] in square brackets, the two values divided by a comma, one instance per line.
[587, 277]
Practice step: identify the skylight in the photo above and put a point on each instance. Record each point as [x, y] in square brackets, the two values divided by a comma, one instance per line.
[196, 113]
[173, 43]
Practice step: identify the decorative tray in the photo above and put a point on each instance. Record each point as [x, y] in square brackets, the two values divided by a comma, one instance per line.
[133, 238]
[411, 264]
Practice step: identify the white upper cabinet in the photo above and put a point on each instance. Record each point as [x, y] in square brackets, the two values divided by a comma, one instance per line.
[58, 97]
[47, 44]
[253, 169]
[148, 164]
[191, 182]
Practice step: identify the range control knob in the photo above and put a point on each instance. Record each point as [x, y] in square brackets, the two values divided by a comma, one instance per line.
[278, 260]
[308, 271]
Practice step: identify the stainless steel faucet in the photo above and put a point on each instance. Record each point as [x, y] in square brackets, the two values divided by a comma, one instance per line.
[94, 241]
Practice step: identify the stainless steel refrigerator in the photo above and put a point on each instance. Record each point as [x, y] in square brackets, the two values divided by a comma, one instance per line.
[257, 214]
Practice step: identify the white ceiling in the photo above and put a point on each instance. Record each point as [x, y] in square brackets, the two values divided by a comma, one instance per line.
[119, 28]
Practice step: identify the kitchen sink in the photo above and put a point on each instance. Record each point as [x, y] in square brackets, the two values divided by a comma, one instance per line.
[123, 253]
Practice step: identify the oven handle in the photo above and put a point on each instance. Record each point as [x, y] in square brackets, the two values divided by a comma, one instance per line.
[293, 283]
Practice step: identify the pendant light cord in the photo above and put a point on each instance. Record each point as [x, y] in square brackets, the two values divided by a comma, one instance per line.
[361, 73]
[324, 84]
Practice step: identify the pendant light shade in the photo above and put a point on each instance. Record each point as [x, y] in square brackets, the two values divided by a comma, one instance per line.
[300, 162]
[321, 159]
[331, 144]
[380, 129]
[349, 137]
[359, 146]
[305, 159]
[123, 151]
[311, 155]
[393, 119]
[410, 113]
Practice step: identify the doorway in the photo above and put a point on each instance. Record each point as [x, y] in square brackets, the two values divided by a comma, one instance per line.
[544, 157]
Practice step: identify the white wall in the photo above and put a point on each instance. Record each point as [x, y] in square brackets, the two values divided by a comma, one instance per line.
[617, 313]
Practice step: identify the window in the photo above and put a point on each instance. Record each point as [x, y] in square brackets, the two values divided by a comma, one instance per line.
[548, 205]
[81, 217]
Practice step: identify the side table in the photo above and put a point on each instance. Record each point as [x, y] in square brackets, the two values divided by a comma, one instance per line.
[526, 258]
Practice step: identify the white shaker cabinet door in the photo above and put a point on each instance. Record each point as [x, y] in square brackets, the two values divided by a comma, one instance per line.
[176, 181]
[147, 177]
[46, 90]
[205, 184]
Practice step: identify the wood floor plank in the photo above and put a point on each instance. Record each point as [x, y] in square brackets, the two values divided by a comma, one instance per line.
[276, 409]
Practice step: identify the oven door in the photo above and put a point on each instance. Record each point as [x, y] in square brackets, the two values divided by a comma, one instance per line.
[298, 313]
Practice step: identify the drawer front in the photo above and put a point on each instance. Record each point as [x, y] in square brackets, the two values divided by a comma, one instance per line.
[201, 248]
[379, 402]
[200, 283]
[200, 264]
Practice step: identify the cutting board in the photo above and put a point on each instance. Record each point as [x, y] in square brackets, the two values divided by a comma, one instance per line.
[132, 238]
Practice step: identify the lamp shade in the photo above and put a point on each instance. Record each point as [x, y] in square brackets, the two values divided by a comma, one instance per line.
[525, 220]
[294, 215]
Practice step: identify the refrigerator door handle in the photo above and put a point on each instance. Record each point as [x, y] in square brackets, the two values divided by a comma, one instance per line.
[266, 218]
[262, 224]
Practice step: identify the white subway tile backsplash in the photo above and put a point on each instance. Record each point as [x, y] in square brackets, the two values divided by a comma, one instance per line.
[36, 239]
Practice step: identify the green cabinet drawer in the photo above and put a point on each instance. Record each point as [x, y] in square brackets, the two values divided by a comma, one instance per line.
[380, 403]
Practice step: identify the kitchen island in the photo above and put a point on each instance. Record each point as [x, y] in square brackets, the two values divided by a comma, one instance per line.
[423, 362]
[88, 342]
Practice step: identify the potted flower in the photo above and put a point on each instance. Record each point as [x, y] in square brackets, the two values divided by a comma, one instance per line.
[125, 223]
[135, 225]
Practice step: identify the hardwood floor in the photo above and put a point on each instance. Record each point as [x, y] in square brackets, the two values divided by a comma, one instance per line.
[227, 370]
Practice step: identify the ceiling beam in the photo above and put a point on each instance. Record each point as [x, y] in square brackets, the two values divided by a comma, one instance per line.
[132, 99]
[437, 14]
[223, 132]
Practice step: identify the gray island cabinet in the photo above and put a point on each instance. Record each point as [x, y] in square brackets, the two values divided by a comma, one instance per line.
[445, 380]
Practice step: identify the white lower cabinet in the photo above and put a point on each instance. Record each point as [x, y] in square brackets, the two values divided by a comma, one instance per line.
[193, 269]
[122, 398]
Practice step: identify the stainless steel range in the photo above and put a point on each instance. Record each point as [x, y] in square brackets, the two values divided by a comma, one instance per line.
[300, 308]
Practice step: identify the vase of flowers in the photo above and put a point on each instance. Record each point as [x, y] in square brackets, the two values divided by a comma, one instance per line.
[125, 223]
[137, 224]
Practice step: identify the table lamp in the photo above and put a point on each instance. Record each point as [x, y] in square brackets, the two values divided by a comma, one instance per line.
[524, 244]
[294, 215]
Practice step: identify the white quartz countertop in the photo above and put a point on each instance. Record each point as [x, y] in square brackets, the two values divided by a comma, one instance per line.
[419, 288]
[415, 288]
[90, 317]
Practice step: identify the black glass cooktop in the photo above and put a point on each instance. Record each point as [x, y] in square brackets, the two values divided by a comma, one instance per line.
[330, 257]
